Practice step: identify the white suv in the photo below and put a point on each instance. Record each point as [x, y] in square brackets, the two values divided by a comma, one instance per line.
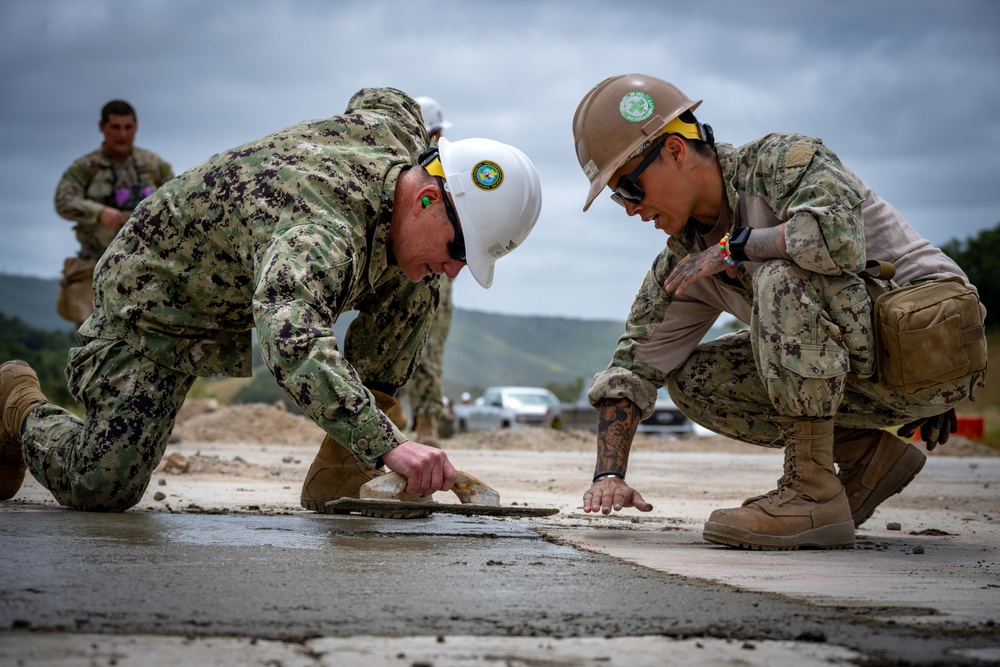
[505, 407]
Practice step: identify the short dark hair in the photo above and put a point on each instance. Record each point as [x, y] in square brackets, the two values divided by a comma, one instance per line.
[117, 108]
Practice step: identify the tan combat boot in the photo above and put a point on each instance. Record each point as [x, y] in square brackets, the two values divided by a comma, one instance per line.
[427, 428]
[20, 393]
[808, 509]
[873, 465]
[394, 410]
[335, 473]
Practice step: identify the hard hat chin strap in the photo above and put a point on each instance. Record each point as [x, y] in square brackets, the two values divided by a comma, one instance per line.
[430, 159]
[696, 130]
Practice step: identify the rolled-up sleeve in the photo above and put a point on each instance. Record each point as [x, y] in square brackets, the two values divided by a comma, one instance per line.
[821, 201]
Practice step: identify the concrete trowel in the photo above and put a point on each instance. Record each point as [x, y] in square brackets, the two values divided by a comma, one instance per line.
[477, 499]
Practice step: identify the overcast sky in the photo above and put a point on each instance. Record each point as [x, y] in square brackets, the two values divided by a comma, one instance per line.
[907, 92]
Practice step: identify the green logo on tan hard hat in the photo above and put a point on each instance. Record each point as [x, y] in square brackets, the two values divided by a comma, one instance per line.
[636, 106]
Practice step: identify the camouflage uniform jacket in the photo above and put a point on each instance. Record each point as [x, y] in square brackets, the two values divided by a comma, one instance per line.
[284, 233]
[835, 222]
[95, 181]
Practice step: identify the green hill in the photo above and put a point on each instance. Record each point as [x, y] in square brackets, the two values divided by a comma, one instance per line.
[46, 352]
[483, 349]
[33, 301]
[491, 349]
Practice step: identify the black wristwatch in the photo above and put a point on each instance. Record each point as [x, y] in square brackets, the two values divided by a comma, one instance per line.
[737, 244]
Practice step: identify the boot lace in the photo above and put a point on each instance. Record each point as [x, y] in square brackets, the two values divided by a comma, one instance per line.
[787, 482]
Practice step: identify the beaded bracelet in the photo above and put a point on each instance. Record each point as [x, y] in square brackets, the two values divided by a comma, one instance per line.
[724, 251]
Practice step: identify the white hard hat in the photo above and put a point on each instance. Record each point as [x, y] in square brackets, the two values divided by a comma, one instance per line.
[433, 116]
[497, 195]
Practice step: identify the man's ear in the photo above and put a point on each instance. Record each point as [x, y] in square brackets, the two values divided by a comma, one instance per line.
[426, 196]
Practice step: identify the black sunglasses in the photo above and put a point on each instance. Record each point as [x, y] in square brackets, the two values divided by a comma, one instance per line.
[456, 247]
[627, 189]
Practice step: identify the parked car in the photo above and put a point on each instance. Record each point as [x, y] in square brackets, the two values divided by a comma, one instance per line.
[667, 418]
[505, 407]
[578, 414]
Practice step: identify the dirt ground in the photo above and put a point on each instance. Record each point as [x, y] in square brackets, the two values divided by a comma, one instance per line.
[263, 452]
[204, 421]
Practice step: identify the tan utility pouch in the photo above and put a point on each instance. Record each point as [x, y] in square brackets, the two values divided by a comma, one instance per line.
[928, 334]
[75, 302]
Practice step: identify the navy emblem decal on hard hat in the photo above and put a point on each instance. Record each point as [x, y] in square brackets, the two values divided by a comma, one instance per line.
[487, 175]
[636, 106]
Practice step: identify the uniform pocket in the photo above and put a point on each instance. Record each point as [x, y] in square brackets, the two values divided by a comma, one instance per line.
[810, 360]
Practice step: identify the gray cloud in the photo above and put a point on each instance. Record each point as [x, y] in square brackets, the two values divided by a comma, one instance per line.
[906, 91]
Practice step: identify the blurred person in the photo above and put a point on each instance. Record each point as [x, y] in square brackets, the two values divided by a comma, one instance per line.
[778, 233]
[98, 192]
[353, 212]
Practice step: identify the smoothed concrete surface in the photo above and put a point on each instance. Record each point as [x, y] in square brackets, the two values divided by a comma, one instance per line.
[944, 556]
[227, 569]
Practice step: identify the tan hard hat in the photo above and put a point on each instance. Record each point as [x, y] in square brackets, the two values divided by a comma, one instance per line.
[616, 118]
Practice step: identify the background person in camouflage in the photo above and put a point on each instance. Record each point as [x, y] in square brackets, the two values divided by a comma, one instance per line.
[774, 232]
[98, 192]
[283, 234]
[424, 389]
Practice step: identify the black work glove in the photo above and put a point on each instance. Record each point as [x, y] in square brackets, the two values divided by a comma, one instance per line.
[933, 430]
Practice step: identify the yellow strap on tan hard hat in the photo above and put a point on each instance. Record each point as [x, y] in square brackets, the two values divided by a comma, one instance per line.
[686, 130]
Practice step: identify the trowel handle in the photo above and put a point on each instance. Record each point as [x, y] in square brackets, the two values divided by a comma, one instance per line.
[468, 489]
[471, 490]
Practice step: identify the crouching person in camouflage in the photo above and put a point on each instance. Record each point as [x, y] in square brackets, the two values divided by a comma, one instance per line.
[776, 233]
[284, 234]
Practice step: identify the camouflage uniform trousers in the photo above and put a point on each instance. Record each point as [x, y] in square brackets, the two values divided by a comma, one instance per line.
[808, 349]
[104, 462]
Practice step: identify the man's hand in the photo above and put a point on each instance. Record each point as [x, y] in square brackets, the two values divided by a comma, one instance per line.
[934, 431]
[613, 493]
[695, 267]
[426, 469]
[111, 218]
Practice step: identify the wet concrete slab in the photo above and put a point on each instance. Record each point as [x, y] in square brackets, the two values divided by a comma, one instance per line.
[205, 578]
[941, 555]
[310, 576]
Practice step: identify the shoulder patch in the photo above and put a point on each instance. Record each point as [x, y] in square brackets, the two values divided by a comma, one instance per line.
[799, 155]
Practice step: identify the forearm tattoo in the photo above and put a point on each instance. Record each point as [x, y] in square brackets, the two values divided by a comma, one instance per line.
[767, 243]
[617, 421]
